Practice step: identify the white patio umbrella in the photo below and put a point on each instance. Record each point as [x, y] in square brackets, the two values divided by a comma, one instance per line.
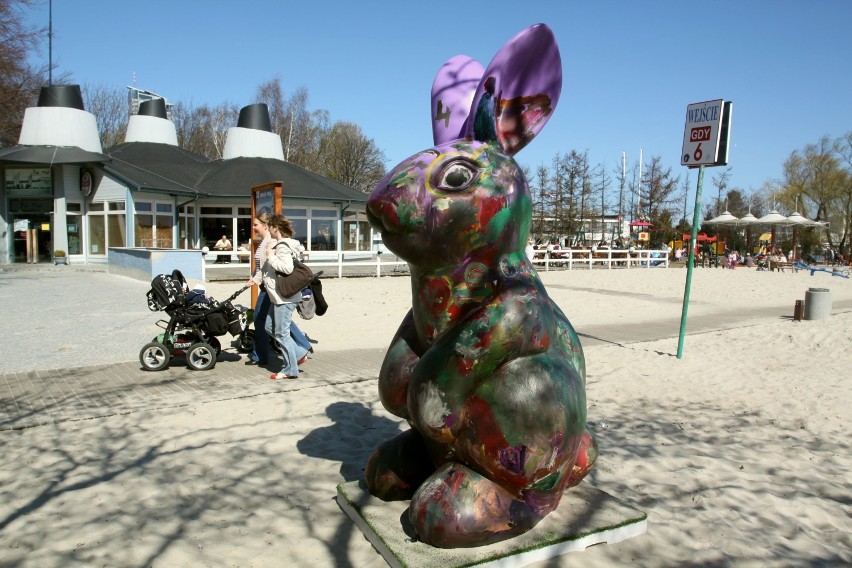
[747, 221]
[799, 220]
[773, 219]
[724, 219]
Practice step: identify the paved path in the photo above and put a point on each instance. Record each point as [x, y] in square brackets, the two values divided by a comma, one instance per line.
[73, 371]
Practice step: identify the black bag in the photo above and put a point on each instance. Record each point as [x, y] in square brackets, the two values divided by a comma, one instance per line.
[287, 285]
[319, 299]
[236, 319]
[216, 323]
[167, 291]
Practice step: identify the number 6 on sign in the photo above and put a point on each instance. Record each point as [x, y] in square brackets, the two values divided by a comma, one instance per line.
[698, 153]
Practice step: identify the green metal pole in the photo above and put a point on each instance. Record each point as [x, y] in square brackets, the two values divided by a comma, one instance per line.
[696, 224]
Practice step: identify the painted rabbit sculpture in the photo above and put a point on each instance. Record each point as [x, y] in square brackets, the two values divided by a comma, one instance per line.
[486, 369]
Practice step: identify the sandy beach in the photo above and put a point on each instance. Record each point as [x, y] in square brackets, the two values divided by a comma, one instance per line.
[739, 452]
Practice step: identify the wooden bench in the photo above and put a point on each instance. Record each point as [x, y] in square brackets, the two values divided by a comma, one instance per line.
[782, 266]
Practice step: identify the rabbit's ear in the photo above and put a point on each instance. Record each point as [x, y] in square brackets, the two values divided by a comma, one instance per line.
[518, 91]
[452, 95]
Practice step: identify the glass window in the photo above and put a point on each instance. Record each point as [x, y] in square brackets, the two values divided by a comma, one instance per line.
[143, 206]
[116, 229]
[322, 235]
[356, 232]
[116, 205]
[212, 229]
[164, 207]
[97, 235]
[144, 230]
[74, 207]
[96, 206]
[300, 231]
[228, 211]
[244, 211]
[324, 213]
[290, 213]
[75, 233]
[163, 238]
[244, 232]
[186, 225]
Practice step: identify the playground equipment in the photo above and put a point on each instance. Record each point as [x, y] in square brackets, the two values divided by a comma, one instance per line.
[842, 272]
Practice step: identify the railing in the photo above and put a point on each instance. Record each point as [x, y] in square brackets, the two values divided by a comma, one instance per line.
[345, 262]
[351, 263]
[608, 258]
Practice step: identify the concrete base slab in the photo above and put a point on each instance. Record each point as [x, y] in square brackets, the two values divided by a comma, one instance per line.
[586, 516]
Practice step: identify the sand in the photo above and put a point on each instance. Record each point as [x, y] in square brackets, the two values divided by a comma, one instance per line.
[739, 452]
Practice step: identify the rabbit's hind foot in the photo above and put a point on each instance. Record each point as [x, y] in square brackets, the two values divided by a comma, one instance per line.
[398, 467]
[457, 508]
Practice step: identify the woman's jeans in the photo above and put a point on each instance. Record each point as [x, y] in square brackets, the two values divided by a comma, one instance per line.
[260, 352]
[278, 326]
[299, 337]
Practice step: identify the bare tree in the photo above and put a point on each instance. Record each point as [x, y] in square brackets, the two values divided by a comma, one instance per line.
[540, 195]
[720, 182]
[111, 108]
[301, 130]
[351, 158]
[19, 82]
[657, 188]
[602, 187]
[620, 172]
[203, 129]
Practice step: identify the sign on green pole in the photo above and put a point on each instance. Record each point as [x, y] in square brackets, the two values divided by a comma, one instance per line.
[706, 138]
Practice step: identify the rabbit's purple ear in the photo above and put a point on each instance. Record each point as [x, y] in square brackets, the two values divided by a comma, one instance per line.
[452, 95]
[518, 91]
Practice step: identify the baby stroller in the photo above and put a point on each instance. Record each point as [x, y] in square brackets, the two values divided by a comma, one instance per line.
[193, 326]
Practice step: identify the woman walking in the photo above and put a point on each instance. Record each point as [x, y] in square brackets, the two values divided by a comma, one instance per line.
[260, 351]
[278, 257]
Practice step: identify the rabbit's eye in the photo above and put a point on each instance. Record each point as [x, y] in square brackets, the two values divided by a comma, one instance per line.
[457, 176]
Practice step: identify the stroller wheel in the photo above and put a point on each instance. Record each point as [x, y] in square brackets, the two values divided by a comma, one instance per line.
[154, 356]
[245, 341]
[201, 356]
[214, 343]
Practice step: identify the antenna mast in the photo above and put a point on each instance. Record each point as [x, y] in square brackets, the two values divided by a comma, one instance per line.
[50, 44]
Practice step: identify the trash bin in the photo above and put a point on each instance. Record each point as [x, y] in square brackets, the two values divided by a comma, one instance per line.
[817, 303]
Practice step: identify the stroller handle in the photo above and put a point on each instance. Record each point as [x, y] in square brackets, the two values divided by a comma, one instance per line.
[237, 293]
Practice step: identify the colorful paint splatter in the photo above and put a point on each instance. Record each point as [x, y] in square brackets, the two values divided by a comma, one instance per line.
[485, 367]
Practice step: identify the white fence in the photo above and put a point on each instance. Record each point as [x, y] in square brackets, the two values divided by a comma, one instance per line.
[347, 263]
[603, 258]
[366, 263]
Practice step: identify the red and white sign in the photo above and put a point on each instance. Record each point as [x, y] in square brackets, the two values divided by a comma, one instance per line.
[703, 133]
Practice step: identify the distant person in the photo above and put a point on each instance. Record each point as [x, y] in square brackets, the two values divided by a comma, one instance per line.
[223, 244]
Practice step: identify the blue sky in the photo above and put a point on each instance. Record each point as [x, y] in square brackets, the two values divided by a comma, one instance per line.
[630, 68]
